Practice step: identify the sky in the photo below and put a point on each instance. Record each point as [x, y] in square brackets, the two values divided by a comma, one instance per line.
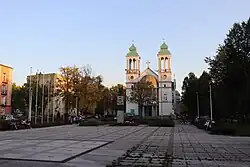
[48, 34]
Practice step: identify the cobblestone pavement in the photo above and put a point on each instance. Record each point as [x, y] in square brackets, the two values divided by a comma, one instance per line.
[194, 147]
[66, 146]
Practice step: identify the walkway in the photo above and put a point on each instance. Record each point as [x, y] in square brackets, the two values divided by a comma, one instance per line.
[67, 146]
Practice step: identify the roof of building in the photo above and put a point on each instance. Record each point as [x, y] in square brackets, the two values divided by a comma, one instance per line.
[6, 66]
[164, 50]
[132, 51]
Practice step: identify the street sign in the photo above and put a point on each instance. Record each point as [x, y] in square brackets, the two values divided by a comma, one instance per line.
[120, 100]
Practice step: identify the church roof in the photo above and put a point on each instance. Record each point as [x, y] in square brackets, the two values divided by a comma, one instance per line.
[164, 49]
[148, 71]
[132, 51]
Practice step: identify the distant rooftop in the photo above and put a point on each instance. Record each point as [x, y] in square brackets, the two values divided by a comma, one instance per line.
[5, 66]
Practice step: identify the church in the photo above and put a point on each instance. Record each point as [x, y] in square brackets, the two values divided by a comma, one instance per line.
[161, 80]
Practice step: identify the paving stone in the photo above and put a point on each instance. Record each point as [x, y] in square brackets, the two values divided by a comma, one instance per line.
[190, 146]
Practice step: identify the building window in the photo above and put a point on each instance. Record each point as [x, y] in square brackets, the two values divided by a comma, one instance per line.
[3, 110]
[4, 77]
[3, 100]
[4, 89]
[164, 85]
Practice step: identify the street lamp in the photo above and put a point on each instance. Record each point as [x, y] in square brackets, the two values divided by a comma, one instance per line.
[198, 107]
[211, 102]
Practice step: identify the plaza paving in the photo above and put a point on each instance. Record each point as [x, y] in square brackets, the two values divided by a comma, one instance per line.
[64, 146]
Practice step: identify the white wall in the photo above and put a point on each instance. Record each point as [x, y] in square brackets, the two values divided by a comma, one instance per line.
[166, 108]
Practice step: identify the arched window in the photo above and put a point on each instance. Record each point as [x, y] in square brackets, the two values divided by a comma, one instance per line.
[130, 64]
[166, 63]
[162, 63]
[134, 62]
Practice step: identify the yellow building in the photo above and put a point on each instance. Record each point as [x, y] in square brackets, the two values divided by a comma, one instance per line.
[6, 73]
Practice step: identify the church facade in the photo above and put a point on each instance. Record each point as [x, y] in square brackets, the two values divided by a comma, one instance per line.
[161, 80]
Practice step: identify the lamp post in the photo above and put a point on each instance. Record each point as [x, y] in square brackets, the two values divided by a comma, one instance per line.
[161, 104]
[30, 95]
[198, 107]
[42, 98]
[154, 106]
[211, 102]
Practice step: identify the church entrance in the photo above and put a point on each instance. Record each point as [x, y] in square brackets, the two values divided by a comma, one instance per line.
[148, 111]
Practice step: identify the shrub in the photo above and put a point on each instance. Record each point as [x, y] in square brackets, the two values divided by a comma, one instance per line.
[224, 129]
[4, 125]
[151, 121]
[90, 122]
[127, 123]
[200, 123]
[50, 124]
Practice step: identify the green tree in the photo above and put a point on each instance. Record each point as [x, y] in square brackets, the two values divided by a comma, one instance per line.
[18, 98]
[229, 76]
[190, 88]
[141, 93]
[78, 85]
[230, 72]
[203, 94]
[68, 78]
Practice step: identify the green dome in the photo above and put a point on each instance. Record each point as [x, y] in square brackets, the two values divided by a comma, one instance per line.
[164, 49]
[132, 48]
[164, 46]
[132, 51]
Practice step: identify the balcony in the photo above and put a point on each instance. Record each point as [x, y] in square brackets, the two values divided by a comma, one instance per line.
[132, 71]
[3, 104]
[4, 92]
[5, 81]
[164, 70]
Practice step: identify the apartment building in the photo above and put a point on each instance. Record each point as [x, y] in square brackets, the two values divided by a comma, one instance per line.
[6, 74]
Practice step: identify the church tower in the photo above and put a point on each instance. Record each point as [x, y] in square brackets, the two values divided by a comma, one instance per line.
[132, 74]
[165, 80]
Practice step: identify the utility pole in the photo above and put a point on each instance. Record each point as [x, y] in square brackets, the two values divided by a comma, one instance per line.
[48, 112]
[30, 95]
[53, 102]
[211, 102]
[161, 104]
[42, 99]
[36, 96]
[198, 106]
[76, 105]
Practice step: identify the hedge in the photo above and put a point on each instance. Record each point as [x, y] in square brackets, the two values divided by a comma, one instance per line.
[125, 124]
[162, 123]
[5, 125]
[90, 122]
[152, 121]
